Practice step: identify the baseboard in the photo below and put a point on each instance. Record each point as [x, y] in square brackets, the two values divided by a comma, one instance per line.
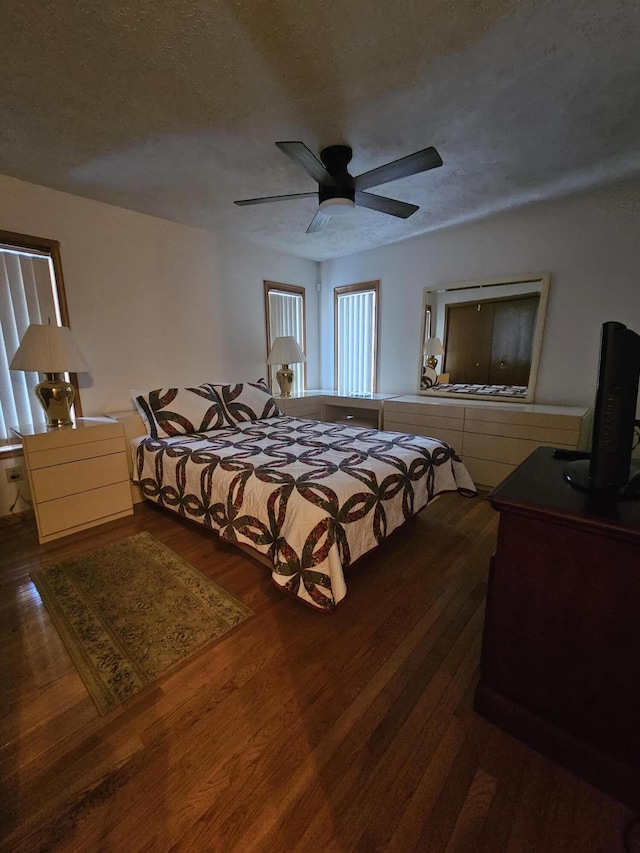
[14, 518]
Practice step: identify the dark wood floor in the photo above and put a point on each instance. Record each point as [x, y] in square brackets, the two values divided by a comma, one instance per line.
[299, 731]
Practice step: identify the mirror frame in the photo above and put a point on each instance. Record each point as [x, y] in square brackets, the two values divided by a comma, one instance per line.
[541, 280]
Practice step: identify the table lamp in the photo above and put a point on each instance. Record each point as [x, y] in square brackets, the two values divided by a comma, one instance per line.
[432, 349]
[285, 351]
[53, 351]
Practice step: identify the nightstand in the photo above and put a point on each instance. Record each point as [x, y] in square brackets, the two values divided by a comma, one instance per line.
[330, 406]
[358, 410]
[78, 475]
[307, 404]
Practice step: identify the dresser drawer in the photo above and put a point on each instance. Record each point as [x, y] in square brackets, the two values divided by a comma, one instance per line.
[486, 473]
[422, 419]
[523, 416]
[427, 408]
[74, 477]
[75, 511]
[547, 435]
[450, 436]
[497, 448]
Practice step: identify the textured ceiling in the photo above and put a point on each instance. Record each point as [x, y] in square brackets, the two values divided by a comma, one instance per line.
[172, 107]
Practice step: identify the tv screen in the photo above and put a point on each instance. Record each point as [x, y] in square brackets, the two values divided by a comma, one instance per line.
[610, 469]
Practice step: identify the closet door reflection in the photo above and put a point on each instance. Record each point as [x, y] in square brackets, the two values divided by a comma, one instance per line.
[490, 343]
[468, 343]
[514, 322]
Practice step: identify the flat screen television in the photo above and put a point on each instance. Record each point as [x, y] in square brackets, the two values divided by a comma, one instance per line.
[610, 469]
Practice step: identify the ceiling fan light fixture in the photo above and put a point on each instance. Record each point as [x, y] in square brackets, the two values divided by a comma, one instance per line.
[339, 192]
[337, 206]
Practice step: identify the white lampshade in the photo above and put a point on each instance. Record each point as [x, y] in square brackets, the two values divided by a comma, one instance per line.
[48, 349]
[285, 350]
[433, 346]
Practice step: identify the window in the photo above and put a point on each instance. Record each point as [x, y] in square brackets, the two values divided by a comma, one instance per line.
[31, 291]
[284, 306]
[356, 335]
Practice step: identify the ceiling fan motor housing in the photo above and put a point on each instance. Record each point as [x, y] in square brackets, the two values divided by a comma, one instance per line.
[336, 158]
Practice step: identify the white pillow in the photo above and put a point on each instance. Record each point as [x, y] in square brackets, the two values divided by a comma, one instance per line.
[247, 401]
[179, 411]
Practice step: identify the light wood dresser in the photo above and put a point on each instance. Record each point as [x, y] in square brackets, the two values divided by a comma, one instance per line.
[492, 438]
[78, 475]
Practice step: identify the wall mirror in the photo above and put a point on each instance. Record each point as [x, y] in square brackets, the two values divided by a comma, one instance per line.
[482, 340]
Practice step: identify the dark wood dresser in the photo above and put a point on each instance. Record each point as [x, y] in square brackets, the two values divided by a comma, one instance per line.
[560, 667]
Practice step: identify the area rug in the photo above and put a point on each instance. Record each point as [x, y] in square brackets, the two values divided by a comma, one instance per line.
[132, 611]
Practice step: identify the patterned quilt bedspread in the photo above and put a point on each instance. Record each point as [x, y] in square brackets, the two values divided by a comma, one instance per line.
[311, 496]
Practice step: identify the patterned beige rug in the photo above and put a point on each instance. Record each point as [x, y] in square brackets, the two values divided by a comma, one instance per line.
[132, 611]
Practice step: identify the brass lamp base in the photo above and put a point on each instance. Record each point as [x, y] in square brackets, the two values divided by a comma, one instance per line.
[56, 396]
[432, 361]
[285, 380]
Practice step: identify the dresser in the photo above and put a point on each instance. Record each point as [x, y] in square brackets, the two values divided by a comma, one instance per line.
[78, 475]
[560, 667]
[492, 438]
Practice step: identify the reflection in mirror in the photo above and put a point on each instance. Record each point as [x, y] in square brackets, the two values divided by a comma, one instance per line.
[482, 339]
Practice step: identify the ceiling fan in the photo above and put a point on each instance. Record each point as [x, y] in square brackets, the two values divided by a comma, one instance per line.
[338, 191]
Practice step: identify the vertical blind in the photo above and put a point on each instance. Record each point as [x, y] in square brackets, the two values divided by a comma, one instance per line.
[356, 329]
[27, 295]
[286, 317]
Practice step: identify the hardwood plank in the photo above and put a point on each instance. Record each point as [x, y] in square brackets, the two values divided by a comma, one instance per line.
[472, 815]
[352, 731]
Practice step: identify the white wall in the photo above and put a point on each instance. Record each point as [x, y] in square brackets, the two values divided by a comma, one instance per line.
[153, 303]
[590, 244]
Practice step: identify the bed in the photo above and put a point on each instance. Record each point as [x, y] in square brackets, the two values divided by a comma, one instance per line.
[310, 497]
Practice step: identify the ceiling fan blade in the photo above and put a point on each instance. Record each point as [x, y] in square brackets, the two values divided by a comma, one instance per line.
[300, 154]
[386, 205]
[428, 158]
[319, 221]
[274, 198]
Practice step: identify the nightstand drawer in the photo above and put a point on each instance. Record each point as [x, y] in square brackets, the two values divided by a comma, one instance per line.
[307, 406]
[76, 511]
[352, 416]
[73, 452]
[309, 409]
[85, 431]
[75, 477]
